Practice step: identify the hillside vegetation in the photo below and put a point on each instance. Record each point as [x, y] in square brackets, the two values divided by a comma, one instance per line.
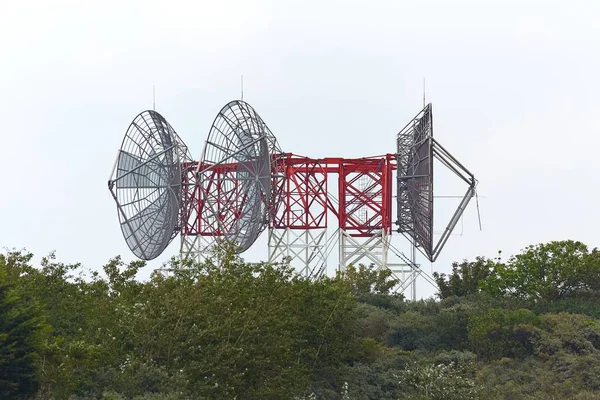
[523, 328]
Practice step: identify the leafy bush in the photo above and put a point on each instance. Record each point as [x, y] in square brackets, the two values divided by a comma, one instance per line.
[503, 333]
[441, 381]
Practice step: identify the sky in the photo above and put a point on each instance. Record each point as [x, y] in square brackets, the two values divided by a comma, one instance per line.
[513, 84]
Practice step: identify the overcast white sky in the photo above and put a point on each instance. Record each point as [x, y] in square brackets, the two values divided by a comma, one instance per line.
[514, 85]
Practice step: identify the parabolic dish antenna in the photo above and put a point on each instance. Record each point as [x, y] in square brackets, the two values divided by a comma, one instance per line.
[415, 180]
[235, 175]
[146, 184]
[417, 150]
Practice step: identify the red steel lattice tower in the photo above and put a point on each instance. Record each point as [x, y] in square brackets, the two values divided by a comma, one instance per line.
[298, 227]
[365, 210]
[362, 205]
[360, 199]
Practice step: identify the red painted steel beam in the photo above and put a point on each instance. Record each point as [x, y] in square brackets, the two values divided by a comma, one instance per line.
[364, 195]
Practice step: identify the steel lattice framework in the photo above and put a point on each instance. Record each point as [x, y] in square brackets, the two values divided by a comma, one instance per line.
[244, 184]
[299, 222]
[362, 205]
[298, 226]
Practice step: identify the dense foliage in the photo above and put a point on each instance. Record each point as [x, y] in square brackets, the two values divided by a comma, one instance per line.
[525, 328]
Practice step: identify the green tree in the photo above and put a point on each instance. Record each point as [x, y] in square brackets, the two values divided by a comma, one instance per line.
[570, 333]
[496, 333]
[366, 280]
[374, 286]
[551, 271]
[438, 381]
[466, 278]
[233, 329]
[21, 338]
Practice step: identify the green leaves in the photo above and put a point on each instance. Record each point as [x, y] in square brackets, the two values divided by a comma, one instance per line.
[22, 333]
[497, 333]
[466, 278]
[551, 271]
[225, 328]
[219, 329]
[570, 333]
[367, 280]
[438, 381]
[565, 363]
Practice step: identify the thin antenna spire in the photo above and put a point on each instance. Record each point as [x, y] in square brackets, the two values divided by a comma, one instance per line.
[478, 213]
[424, 92]
[242, 86]
[153, 98]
